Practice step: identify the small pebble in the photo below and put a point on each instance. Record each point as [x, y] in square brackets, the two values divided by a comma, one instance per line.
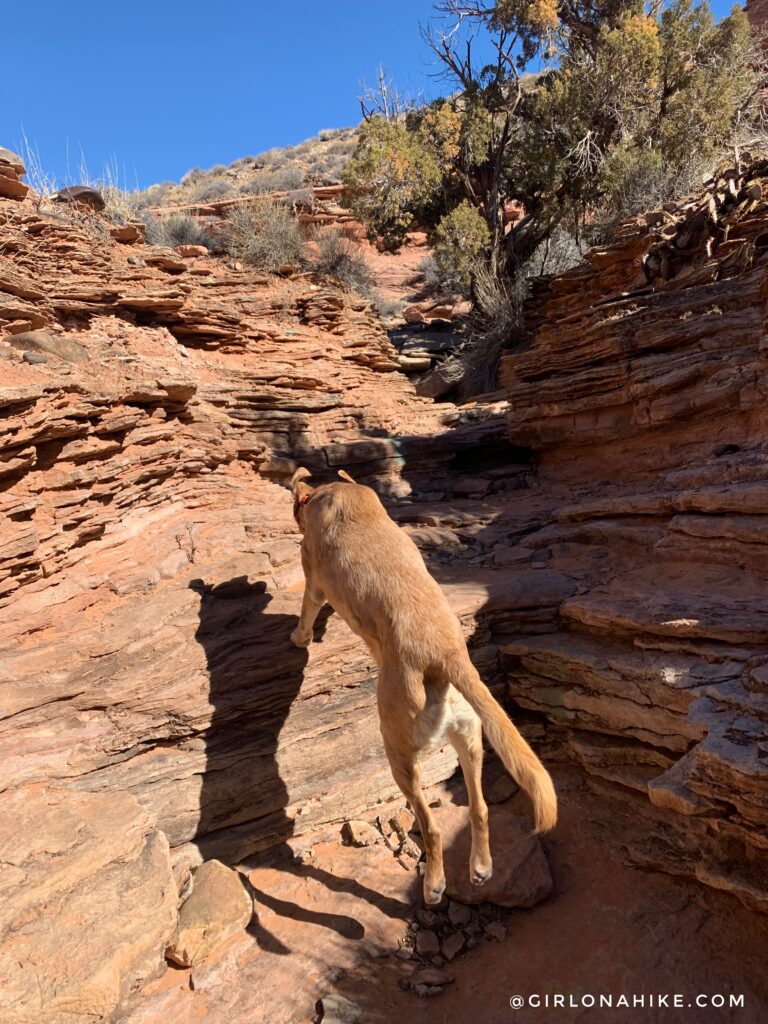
[459, 914]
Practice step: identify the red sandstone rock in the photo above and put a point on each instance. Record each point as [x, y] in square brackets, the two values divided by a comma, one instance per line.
[88, 904]
[191, 251]
[10, 188]
[127, 233]
[648, 405]
[149, 569]
[218, 907]
[521, 875]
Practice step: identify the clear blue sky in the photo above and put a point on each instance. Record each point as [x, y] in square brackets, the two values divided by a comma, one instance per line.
[159, 87]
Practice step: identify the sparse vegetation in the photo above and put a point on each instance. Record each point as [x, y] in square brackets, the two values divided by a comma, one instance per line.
[342, 260]
[387, 308]
[497, 314]
[210, 191]
[634, 98]
[265, 234]
[316, 161]
[175, 229]
[181, 229]
[283, 179]
[193, 176]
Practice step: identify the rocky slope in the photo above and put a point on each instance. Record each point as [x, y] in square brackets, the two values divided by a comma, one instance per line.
[600, 534]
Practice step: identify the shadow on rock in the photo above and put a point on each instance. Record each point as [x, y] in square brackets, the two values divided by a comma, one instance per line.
[255, 676]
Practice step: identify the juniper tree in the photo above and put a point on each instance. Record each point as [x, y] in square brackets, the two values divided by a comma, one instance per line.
[633, 96]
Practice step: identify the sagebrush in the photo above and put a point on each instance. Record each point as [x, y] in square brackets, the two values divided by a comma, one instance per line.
[264, 234]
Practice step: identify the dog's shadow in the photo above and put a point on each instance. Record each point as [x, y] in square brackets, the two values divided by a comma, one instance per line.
[255, 676]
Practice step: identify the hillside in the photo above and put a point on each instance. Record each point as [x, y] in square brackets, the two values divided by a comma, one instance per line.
[289, 169]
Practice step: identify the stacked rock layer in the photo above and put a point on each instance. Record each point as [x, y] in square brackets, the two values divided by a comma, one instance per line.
[644, 395]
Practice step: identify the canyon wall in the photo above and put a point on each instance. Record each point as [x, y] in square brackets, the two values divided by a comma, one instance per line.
[643, 392]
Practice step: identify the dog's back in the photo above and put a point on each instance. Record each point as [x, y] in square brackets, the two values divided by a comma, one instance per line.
[374, 575]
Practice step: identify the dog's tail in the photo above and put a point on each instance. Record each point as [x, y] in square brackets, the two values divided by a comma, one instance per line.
[519, 760]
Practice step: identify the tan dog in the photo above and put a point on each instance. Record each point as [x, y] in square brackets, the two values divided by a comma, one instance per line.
[371, 572]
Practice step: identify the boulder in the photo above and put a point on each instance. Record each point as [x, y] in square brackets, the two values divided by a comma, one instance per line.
[413, 315]
[10, 161]
[471, 485]
[81, 195]
[521, 875]
[337, 1009]
[165, 259]
[414, 364]
[127, 233]
[442, 379]
[191, 251]
[11, 188]
[360, 833]
[440, 312]
[219, 907]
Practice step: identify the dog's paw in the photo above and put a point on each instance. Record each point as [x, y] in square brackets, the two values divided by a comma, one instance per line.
[480, 873]
[433, 892]
[299, 639]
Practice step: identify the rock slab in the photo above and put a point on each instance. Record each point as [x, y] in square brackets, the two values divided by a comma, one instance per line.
[80, 874]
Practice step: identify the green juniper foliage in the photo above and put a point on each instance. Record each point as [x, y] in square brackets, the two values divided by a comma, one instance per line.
[637, 101]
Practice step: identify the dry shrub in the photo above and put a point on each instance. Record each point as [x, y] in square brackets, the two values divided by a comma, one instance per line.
[265, 234]
[496, 317]
[340, 259]
[282, 179]
[208, 191]
[177, 229]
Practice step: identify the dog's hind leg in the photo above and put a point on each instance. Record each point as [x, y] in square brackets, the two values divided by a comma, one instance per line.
[466, 736]
[407, 774]
[402, 700]
[311, 604]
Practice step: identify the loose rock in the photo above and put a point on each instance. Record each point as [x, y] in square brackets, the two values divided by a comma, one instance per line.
[218, 907]
[360, 833]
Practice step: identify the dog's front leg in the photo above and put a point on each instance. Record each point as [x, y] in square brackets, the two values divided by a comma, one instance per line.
[313, 601]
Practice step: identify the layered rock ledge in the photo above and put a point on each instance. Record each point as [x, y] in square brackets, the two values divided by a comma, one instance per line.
[644, 395]
[153, 408]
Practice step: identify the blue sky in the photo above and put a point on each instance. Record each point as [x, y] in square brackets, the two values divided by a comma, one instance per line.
[155, 88]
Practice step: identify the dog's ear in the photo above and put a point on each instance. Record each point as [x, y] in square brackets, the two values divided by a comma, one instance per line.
[301, 489]
[345, 476]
